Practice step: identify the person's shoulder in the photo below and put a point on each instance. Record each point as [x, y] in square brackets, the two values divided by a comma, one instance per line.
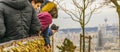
[2, 5]
[45, 15]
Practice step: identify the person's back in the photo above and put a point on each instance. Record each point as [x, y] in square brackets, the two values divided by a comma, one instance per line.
[45, 20]
[17, 20]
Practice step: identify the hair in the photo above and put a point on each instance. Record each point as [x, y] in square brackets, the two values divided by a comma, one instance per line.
[39, 1]
[30, 1]
[54, 27]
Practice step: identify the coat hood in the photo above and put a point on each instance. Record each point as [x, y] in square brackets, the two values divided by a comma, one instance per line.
[45, 20]
[17, 4]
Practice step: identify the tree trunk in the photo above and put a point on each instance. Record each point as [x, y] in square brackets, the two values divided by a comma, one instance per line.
[83, 39]
[119, 31]
[83, 27]
[118, 11]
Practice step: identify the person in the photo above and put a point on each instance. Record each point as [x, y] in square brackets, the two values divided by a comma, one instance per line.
[30, 1]
[18, 20]
[48, 33]
[36, 4]
[45, 6]
[51, 7]
[45, 18]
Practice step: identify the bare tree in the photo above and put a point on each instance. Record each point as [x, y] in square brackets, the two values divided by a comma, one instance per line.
[81, 11]
[117, 6]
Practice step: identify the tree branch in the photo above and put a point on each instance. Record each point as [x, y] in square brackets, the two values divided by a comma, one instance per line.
[67, 12]
[70, 13]
[77, 5]
[90, 15]
[74, 14]
[80, 14]
[115, 2]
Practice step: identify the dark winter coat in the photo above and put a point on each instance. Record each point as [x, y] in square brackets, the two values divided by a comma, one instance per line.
[17, 20]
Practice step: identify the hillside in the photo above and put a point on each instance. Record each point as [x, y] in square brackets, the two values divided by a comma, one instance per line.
[88, 29]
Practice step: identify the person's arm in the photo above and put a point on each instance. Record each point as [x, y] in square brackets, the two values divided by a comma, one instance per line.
[50, 33]
[2, 25]
[35, 25]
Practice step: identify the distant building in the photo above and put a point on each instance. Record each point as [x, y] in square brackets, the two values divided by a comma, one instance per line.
[100, 37]
[105, 26]
[100, 43]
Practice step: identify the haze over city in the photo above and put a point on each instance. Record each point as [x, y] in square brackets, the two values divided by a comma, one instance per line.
[64, 20]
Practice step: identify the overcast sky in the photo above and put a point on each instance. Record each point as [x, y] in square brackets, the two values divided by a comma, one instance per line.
[64, 21]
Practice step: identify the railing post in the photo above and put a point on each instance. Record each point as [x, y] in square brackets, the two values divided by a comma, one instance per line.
[80, 42]
[53, 43]
[89, 49]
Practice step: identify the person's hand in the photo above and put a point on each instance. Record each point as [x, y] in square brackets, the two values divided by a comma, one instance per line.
[39, 33]
[54, 31]
[47, 48]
